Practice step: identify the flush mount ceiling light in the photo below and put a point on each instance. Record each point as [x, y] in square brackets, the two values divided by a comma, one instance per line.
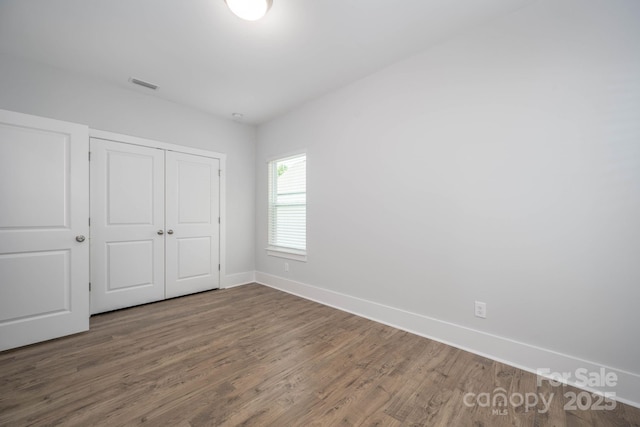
[251, 10]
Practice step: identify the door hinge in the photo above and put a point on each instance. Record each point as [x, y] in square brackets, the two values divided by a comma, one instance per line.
[219, 172]
[218, 220]
[89, 155]
[89, 222]
[218, 267]
[89, 286]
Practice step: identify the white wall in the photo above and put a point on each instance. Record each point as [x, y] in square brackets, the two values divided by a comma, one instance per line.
[41, 90]
[502, 166]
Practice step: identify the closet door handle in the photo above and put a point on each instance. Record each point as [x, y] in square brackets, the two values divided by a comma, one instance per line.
[170, 232]
[160, 232]
[80, 239]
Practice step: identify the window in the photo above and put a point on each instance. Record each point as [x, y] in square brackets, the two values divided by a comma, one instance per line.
[288, 207]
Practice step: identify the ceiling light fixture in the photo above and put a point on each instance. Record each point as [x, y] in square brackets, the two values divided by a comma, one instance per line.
[250, 10]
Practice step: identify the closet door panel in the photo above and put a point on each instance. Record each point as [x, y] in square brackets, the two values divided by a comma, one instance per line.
[127, 218]
[192, 215]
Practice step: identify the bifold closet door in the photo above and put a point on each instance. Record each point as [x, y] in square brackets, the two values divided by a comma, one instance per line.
[192, 218]
[127, 225]
[44, 229]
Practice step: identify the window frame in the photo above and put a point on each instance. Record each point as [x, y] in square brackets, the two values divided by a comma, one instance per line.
[272, 249]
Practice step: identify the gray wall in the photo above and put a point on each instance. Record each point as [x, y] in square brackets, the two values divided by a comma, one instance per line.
[501, 166]
[32, 88]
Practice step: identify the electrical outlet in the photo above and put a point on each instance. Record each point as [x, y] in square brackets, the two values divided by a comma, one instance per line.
[481, 310]
[286, 267]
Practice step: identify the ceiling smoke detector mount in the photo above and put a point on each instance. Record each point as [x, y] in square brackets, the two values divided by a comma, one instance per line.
[143, 83]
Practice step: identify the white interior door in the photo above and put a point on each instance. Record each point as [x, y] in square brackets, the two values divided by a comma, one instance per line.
[127, 225]
[192, 218]
[44, 212]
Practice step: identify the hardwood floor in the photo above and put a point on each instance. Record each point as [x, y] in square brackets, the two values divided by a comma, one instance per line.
[256, 356]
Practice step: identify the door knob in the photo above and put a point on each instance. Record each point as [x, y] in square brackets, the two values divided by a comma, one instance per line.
[170, 232]
[80, 239]
[160, 232]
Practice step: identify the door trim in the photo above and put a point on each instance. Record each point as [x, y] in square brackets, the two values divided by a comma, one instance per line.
[151, 143]
[222, 157]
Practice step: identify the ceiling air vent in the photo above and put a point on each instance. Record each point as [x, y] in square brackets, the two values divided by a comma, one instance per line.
[143, 83]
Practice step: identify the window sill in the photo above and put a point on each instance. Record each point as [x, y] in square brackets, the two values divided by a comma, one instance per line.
[294, 254]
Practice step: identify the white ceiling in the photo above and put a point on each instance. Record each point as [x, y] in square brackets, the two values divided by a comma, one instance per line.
[201, 55]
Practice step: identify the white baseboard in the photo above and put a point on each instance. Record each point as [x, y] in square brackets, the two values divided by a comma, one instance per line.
[238, 279]
[518, 354]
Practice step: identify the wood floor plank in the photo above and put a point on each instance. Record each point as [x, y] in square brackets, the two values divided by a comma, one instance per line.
[255, 356]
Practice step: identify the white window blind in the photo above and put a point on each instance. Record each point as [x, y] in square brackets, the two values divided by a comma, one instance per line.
[288, 202]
